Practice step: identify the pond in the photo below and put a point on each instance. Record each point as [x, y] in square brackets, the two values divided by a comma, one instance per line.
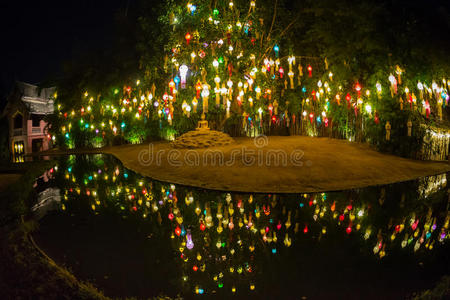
[135, 237]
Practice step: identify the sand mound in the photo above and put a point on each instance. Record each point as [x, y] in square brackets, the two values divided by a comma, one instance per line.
[202, 139]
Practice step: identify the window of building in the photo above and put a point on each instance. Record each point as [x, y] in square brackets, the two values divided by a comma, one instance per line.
[18, 121]
[36, 119]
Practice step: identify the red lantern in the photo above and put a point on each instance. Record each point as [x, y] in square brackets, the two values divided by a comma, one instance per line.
[171, 86]
[348, 229]
[341, 218]
[178, 231]
[198, 88]
[349, 99]
[281, 72]
[358, 89]
[427, 108]
[414, 225]
[230, 69]
[311, 117]
[309, 71]
[202, 226]
[305, 230]
[188, 37]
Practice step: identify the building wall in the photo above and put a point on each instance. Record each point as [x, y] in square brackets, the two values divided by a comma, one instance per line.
[27, 133]
[36, 133]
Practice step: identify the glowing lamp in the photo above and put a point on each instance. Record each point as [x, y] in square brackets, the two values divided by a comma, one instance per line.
[420, 87]
[189, 242]
[291, 79]
[358, 89]
[276, 49]
[192, 9]
[188, 37]
[309, 71]
[217, 81]
[215, 63]
[281, 71]
[178, 231]
[171, 86]
[183, 72]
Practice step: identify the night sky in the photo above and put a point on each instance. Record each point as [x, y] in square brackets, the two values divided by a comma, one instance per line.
[38, 36]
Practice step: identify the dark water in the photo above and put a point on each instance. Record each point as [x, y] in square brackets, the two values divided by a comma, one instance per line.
[135, 237]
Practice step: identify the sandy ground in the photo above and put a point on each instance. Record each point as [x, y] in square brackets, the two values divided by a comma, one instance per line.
[304, 165]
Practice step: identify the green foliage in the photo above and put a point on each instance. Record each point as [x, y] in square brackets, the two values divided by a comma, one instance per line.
[361, 42]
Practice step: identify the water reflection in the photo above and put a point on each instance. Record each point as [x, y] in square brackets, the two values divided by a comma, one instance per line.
[232, 243]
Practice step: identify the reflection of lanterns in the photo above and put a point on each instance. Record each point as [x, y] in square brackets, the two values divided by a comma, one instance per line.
[189, 242]
[178, 231]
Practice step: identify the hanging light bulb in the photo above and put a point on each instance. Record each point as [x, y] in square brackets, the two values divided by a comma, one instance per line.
[183, 72]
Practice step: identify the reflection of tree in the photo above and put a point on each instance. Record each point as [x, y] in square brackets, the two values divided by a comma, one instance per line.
[228, 243]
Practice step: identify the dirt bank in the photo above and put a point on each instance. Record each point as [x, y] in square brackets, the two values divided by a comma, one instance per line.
[276, 164]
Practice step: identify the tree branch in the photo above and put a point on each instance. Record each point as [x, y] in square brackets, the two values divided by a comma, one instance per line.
[273, 19]
[282, 33]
